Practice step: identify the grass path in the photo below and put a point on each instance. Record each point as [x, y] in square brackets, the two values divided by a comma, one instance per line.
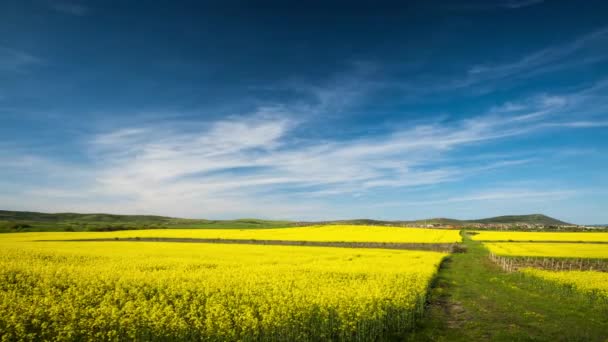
[474, 300]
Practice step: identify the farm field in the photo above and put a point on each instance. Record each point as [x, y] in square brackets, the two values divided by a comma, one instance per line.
[541, 236]
[329, 233]
[549, 250]
[127, 290]
[171, 291]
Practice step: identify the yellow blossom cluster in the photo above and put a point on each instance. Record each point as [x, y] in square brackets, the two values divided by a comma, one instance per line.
[328, 233]
[59, 290]
[541, 236]
[550, 250]
[591, 282]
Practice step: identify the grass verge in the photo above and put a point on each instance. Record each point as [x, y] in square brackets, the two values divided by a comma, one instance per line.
[474, 300]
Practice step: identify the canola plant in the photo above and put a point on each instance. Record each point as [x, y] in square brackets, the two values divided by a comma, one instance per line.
[589, 282]
[328, 233]
[550, 250]
[541, 236]
[109, 291]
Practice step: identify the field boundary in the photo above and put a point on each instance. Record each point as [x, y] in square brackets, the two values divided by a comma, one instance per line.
[435, 247]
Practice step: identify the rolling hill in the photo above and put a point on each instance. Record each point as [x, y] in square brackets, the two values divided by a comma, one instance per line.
[530, 219]
[35, 221]
[538, 219]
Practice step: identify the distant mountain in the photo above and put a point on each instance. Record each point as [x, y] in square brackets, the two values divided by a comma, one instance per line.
[536, 219]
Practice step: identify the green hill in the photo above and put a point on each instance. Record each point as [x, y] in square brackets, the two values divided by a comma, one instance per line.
[45, 217]
[538, 219]
[11, 221]
[529, 219]
[34, 221]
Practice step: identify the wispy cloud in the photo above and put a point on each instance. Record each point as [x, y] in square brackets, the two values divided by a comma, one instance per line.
[486, 77]
[546, 60]
[579, 124]
[264, 163]
[493, 5]
[254, 165]
[514, 4]
[15, 60]
[501, 195]
[488, 200]
[70, 8]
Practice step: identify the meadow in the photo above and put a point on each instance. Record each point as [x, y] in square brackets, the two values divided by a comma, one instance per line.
[169, 291]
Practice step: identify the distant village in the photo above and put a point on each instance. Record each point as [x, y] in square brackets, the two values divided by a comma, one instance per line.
[505, 226]
[468, 225]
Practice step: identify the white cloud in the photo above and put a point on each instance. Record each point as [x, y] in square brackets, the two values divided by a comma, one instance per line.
[263, 164]
[493, 5]
[485, 77]
[68, 7]
[502, 195]
[250, 165]
[15, 60]
[521, 3]
[545, 60]
[579, 124]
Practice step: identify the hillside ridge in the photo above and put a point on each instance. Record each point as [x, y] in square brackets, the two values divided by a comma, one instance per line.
[31, 216]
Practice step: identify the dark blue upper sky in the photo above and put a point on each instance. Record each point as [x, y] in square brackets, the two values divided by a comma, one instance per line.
[305, 110]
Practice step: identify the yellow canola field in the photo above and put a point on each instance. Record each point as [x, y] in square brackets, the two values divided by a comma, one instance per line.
[591, 282]
[549, 250]
[541, 236]
[173, 291]
[330, 233]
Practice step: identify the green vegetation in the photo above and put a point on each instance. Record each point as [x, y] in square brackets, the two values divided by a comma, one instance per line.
[18, 221]
[474, 300]
[25, 221]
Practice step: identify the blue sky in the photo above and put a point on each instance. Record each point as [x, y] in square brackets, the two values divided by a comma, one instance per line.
[461, 109]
